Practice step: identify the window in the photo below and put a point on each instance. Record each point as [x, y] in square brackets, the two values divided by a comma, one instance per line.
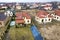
[57, 17]
[0, 23]
[42, 20]
[54, 17]
[28, 21]
[49, 19]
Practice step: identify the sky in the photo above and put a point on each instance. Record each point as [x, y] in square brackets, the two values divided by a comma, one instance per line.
[27, 0]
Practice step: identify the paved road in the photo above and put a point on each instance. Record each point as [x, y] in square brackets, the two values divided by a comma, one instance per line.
[7, 36]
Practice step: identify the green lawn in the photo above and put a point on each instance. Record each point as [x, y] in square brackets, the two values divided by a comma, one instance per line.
[23, 33]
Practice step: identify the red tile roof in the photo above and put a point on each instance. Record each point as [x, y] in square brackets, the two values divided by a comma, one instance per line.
[23, 14]
[57, 12]
[26, 15]
[19, 21]
[18, 14]
[20, 17]
[42, 14]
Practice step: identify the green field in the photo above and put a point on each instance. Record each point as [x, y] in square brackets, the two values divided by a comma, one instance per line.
[23, 33]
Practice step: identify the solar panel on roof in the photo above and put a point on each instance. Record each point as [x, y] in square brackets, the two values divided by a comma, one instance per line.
[2, 17]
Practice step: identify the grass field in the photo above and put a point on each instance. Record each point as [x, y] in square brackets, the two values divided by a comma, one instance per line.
[23, 33]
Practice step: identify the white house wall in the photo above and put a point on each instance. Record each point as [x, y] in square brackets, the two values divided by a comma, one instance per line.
[36, 18]
[48, 8]
[55, 17]
[26, 21]
[18, 7]
[4, 7]
[45, 20]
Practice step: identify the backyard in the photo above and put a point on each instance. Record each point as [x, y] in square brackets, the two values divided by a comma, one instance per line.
[24, 32]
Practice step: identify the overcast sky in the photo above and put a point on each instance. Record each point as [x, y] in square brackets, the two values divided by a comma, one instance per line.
[27, 0]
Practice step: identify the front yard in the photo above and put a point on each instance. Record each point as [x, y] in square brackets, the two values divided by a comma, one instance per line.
[23, 33]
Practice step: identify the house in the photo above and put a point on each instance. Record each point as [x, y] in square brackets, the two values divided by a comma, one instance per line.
[44, 4]
[48, 7]
[3, 19]
[56, 15]
[23, 18]
[43, 17]
[8, 13]
[3, 6]
[18, 7]
[19, 18]
[35, 5]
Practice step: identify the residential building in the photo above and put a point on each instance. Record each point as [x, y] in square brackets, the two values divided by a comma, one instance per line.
[56, 15]
[3, 6]
[43, 17]
[48, 7]
[18, 7]
[23, 18]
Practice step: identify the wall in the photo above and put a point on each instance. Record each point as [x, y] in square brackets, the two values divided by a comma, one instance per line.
[26, 21]
[45, 20]
[18, 7]
[48, 8]
[55, 18]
